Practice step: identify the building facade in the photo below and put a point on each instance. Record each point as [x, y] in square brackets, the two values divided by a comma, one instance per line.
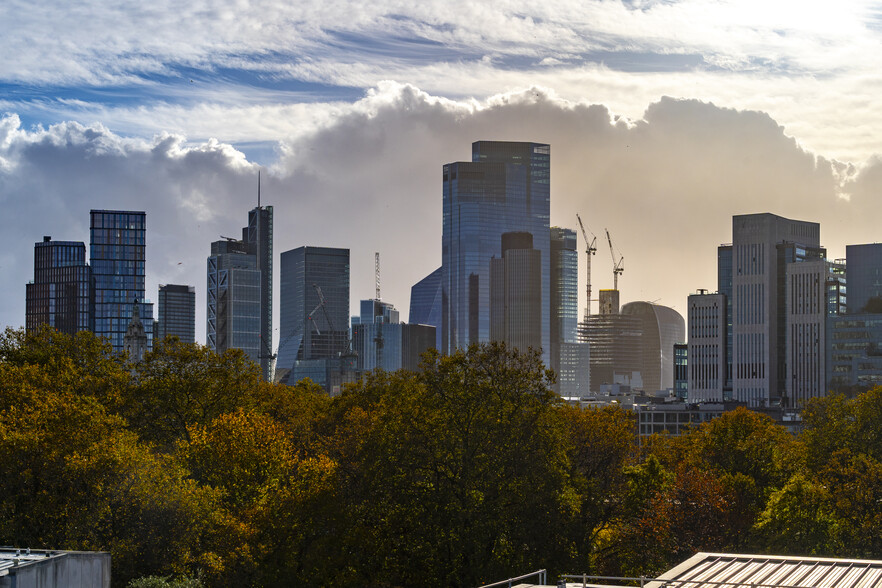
[707, 353]
[662, 327]
[177, 312]
[762, 246]
[314, 315]
[117, 246]
[62, 293]
[425, 304]
[505, 188]
[864, 272]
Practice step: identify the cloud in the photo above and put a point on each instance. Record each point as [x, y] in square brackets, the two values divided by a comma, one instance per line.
[367, 177]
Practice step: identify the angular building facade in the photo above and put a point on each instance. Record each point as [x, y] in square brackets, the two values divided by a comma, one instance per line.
[505, 188]
[314, 316]
[233, 299]
[425, 304]
[239, 313]
[117, 246]
[62, 293]
[177, 312]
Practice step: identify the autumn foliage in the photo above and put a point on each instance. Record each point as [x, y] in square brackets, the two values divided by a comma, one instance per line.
[468, 471]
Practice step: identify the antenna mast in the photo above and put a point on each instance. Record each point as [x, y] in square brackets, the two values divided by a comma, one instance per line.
[258, 188]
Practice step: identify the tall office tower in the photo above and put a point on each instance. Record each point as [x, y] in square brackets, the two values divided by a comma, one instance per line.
[62, 293]
[662, 328]
[415, 341]
[614, 341]
[376, 336]
[807, 308]
[864, 273]
[240, 312]
[724, 286]
[569, 357]
[707, 347]
[762, 246]
[233, 299]
[258, 239]
[117, 245]
[314, 317]
[505, 188]
[515, 293]
[177, 312]
[425, 304]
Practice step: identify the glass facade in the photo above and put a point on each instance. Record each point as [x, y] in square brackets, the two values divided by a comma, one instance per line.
[681, 371]
[233, 296]
[425, 303]
[567, 358]
[662, 328]
[62, 292]
[313, 310]
[724, 286]
[505, 188]
[177, 312]
[854, 351]
[117, 245]
[864, 272]
[239, 291]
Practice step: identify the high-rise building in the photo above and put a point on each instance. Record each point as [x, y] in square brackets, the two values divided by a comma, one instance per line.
[117, 245]
[376, 336]
[515, 293]
[177, 312]
[724, 287]
[662, 327]
[258, 238]
[425, 304]
[762, 246]
[239, 293]
[504, 189]
[233, 299]
[707, 315]
[62, 293]
[568, 356]
[864, 271]
[314, 317]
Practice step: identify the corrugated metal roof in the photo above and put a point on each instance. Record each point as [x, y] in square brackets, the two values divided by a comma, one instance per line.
[12, 558]
[717, 570]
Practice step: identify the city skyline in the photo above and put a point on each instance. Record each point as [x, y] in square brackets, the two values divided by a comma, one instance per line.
[665, 122]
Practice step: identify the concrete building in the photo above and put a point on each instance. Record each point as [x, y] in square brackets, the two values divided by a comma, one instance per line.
[177, 312]
[504, 189]
[62, 294]
[707, 347]
[516, 294]
[37, 568]
[864, 272]
[762, 246]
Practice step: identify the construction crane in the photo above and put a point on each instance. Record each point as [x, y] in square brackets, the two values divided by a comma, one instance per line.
[378, 339]
[590, 249]
[618, 266]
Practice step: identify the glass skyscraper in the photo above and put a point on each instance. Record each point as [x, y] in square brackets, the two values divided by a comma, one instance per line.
[117, 243]
[425, 303]
[239, 294]
[313, 314]
[177, 312]
[62, 293]
[505, 188]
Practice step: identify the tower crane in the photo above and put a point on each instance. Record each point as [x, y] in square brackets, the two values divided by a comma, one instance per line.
[618, 266]
[378, 339]
[590, 249]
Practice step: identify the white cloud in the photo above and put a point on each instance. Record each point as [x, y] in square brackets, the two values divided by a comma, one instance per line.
[367, 177]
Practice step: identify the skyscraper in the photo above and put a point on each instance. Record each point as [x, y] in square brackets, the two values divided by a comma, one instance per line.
[233, 299]
[314, 316]
[864, 273]
[662, 328]
[505, 188]
[515, 293]
[239, 293]
[762, 246]
[569, 357]
[177, 312]
[62, 293]
[425, 304]
[117, 244]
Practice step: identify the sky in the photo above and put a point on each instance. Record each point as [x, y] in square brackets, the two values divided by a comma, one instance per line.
[665, 118]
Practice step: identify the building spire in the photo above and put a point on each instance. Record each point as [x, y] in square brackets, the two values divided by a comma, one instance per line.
[258, 188]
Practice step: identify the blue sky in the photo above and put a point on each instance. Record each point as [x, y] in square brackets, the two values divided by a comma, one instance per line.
[718, 108]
